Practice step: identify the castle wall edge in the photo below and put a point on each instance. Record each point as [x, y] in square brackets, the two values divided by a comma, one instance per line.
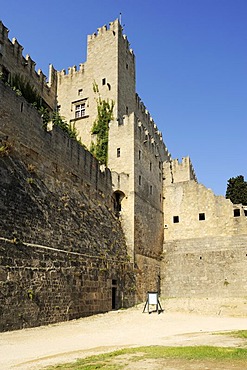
[13, 63]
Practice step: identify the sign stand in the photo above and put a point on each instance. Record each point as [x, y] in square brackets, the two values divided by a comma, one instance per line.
[153, 299]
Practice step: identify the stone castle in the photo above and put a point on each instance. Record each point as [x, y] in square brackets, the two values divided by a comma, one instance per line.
[78, 238]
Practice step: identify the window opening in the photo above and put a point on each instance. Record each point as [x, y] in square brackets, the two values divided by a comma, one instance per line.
[118, 152]
[245, 212]
[140, 180]
[150, 166]
[236, 212]
[80, 92]
[127, 110]
[140, 154]
[127, 66]
[80, 110]
[103, 81]
[151, 189]
[175, 219]
[202, 216]
[22, 107]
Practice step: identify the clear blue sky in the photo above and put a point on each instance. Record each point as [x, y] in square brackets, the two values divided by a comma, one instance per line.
[191, 62]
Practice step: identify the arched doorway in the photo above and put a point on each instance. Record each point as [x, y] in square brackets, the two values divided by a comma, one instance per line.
[118, 196]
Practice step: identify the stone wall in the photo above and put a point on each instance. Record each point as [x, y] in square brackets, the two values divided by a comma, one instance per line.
[148, 276]
[205, 243]
[53, 153]
[41, 286]
[207, 267]
[63, 252]
[193, 211]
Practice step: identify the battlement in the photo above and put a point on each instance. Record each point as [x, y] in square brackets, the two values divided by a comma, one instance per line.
[184, 165]
[14, 63]
[114, 29]
[4, 32]
[150, 131]
[145, 116]
[72, 70]
[53, 151]
[175, 171]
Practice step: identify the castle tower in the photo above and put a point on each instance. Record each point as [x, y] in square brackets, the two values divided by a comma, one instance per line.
[135, 149]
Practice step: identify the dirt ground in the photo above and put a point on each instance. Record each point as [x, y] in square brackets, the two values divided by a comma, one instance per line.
[32, 349]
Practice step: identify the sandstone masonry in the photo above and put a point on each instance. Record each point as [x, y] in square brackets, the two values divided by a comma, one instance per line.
[78, 238]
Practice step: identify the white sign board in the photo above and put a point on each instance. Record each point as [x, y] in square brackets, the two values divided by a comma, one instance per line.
[152, 297]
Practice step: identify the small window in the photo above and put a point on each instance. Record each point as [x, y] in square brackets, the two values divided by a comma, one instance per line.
[151, 189]
[103, 81]
[245, 212]
[201, 216]
[80, 110]
[140, 155]
[127, 110]
[175, 219]
[127, 66]
[150, 166]
[21, 106]
[160, 176]
[109, 86]
[160, 165]
[118, 152]
[140, 180]
[80, 92]
[236, 212]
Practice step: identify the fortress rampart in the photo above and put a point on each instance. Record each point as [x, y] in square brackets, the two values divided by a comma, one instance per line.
[12, 63]
[53, 153]
[62, 250]
[149, 132]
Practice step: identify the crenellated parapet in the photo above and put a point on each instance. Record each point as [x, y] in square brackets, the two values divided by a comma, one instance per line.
[175, 171]
[113, 29]
[149, 132]
[13, 64]
[4, 33]
[72, 71]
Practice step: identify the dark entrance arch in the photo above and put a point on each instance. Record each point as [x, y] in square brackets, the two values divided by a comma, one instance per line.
[118, 196]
